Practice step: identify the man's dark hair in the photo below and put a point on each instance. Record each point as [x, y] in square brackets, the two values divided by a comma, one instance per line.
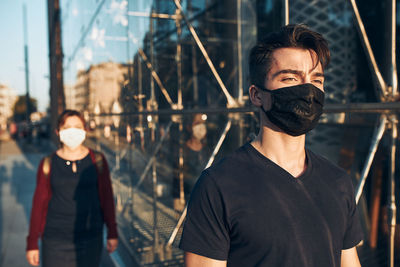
[295, 35]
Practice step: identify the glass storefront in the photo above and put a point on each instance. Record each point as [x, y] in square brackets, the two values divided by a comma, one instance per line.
[163, 85]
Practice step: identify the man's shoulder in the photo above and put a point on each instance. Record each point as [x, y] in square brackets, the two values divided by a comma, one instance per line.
[226, 169]
[232, 162]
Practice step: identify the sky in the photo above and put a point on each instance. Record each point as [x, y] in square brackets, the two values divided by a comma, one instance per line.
[12, 48]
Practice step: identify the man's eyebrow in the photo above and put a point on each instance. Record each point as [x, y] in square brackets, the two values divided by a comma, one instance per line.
[296, 72]
[319, 74]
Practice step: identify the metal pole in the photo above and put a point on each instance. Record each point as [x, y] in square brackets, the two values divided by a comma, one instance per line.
[176, 229]
[219, 143]
[286, 11]
[28, 104]
[195, 78]
[180, 165]
[57, 101]
[392, 36]
[152, 93]
[372, 150]
[156, 77]
[383, 108]
[153, 105]
[140, 101]
[152, 15]
[179, 57]
[367, 46]
[153, 155]
[194, 63]
[179, 105]
[117, 153]
[239, 50]
[156, 239]
[392, 203]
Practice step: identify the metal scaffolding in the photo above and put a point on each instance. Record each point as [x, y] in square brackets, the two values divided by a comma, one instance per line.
[388, 93]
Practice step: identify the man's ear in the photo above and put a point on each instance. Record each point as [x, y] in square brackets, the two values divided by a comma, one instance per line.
[255, 96]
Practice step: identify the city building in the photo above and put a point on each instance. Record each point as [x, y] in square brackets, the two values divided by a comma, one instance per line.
[7, 100]
[99, 85]
[104, 83]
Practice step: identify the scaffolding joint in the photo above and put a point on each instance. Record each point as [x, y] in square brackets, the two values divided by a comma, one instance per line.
[392, 214]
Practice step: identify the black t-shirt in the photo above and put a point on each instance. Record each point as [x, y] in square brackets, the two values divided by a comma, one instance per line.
[249, 211]
[74, 211]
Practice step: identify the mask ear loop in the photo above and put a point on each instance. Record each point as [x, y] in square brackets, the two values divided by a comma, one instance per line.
[262, 88]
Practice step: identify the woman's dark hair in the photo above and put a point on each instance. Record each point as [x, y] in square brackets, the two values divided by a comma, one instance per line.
[294, 35]
[69, 113]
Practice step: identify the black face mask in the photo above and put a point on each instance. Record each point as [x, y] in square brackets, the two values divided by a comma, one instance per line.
[295, 109]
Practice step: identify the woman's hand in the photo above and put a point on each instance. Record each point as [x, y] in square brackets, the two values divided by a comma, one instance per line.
[112, 245]
[32, 256]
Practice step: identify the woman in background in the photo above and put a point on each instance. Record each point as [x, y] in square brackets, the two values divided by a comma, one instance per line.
[72, 201]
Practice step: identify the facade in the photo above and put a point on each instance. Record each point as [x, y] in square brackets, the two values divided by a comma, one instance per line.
[105, 82]
[70, 97]
[99, 85]
[7, 100]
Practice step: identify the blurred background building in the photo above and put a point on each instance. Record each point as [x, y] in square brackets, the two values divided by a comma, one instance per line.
[147, 72]
[7, 100]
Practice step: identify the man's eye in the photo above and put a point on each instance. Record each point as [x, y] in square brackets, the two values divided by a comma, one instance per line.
[289, 79]
[318, 81]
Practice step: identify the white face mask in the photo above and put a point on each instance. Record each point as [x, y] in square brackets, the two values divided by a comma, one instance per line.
[199, 131]
[72, 137]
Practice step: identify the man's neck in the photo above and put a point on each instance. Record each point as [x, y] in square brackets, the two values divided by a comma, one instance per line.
[284, 150]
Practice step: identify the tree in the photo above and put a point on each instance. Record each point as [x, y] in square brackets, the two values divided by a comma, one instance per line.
[19, 109]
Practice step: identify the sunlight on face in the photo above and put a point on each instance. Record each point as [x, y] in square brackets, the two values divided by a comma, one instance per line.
[293, 66]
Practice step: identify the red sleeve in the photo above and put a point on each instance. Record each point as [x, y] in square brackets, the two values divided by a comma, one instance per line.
[107, 199]
[39, 209]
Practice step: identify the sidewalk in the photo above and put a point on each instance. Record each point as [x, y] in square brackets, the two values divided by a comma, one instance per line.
[17, 183]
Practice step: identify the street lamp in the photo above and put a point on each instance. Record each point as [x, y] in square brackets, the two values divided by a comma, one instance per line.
[116, 109]
[97, 112]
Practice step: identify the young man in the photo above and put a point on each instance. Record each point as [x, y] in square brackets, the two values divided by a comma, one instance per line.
[273, 202]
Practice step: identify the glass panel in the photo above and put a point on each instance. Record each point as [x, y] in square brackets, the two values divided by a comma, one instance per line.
[155, 82]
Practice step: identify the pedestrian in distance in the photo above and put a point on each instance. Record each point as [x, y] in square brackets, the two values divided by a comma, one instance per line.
[273, 202]
[73, 200]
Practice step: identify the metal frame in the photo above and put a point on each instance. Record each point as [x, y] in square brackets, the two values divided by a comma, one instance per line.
[178, 107]
[231, 101]
[388, 94]
[370, 54]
